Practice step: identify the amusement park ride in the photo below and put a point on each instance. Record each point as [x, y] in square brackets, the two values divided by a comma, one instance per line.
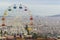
[16, 27]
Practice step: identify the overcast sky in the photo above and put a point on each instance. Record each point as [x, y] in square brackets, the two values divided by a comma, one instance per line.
[38, 7]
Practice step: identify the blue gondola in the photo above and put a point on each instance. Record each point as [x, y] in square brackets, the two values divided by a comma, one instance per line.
[14, 7]
[20, 7]
[9, 9]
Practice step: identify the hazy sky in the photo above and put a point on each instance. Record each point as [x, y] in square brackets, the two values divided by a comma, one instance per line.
[38, 7]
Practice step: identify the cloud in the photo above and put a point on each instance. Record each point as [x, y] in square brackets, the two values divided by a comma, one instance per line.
[38, 7]
[5, 4]
[45, 10]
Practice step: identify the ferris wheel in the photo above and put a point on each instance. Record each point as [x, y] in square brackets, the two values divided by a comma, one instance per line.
[18, 11]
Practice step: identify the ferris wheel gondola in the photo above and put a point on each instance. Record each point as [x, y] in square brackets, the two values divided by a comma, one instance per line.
[20, 7]
[14, 6]
[9, 9]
